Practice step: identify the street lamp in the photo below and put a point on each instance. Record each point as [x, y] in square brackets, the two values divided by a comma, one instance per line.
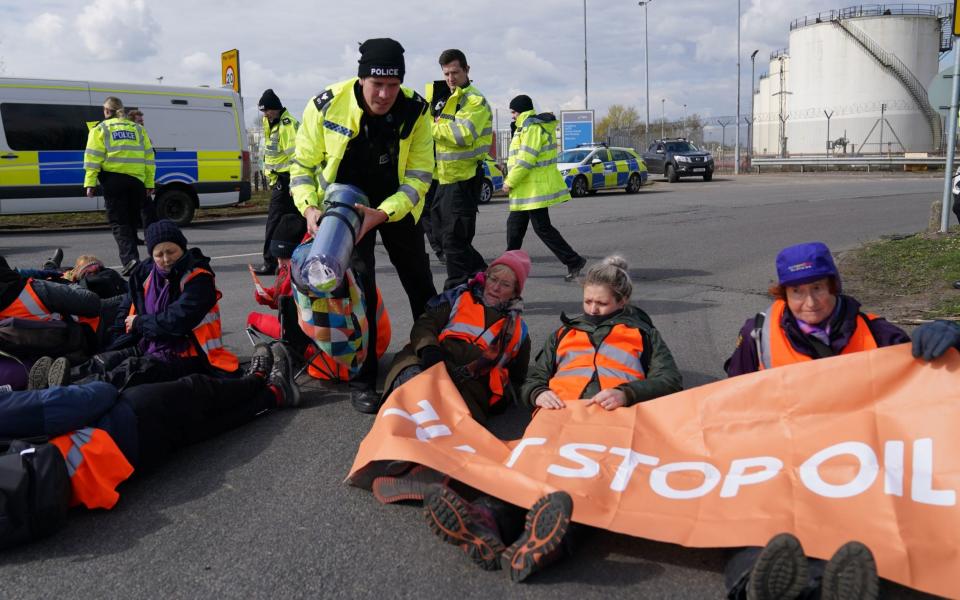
[683, 124]
[662, 117]
[646, 59]
[586, 98]
[736, 152]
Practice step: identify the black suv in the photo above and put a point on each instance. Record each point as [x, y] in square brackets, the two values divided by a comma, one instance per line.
[676, 158]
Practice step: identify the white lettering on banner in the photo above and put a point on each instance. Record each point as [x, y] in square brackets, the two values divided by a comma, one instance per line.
[383, 72]
[866, 474]
[630, 461]
[659, 484]
[515, 455]
[738, 476]
[426, 415]
[893, 468]
[922, 488]
[588, 467]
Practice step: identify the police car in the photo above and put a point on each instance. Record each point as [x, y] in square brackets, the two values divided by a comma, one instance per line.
[492, 181]
[591, 167]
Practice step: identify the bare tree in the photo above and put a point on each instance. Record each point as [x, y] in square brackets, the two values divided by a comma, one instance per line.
[618, 118]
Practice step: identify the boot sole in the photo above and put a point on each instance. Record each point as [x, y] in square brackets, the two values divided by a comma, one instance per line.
[851, 573]
[448, 517]
[547, 522]
[37, 378]
[59, 373]
[412, 486]
[780, 572]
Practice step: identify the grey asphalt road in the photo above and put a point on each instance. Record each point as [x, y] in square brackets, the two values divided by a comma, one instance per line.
[263, 511]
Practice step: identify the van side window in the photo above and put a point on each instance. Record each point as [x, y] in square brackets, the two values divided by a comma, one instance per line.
[47, 126]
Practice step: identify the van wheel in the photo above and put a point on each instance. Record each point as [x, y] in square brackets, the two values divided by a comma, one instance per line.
[486, 191]
[175, 205]
[579, 188]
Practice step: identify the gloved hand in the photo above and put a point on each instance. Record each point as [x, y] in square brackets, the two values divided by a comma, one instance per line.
[430, 355]
[932, 340]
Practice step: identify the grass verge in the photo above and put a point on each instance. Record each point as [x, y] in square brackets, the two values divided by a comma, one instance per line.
[257, 204]
[906, 279]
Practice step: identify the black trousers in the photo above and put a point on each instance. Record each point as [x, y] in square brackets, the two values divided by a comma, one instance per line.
[129, 367]
[174, 414]
[281, 203]
[548, 234]
[456, 207]
[148, 211]
[122, 196]
[428, 218]
[403, 241]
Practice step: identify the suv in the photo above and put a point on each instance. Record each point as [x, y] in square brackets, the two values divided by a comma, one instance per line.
[676, 158]
[590, 167]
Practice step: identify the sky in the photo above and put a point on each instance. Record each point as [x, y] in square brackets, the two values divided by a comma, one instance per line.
[533, 47]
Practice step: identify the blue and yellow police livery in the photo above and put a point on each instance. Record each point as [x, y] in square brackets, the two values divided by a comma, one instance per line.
[587, 169]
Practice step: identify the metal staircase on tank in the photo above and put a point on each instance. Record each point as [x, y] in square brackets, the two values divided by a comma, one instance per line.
[903, 74]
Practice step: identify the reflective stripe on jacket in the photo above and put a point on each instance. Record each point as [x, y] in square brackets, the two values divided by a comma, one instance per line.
[532, 171]
[96, 466]
[330, 121]
[29, 306]
[775, 349]
[615, 362]
[279, 145]
[467, 323]
[119, 146]
[463, 133]
[208, 333]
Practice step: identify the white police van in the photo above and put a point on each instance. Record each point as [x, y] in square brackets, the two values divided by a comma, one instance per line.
[197, 133]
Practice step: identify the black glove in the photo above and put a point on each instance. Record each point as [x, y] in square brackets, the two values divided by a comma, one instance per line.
[932, 340]
[430, 355]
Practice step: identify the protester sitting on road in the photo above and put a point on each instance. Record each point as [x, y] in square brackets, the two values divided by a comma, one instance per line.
[286, 237]
[174, 322]
[611, 356]
[477, 331]
[106, 433]
[809, 319]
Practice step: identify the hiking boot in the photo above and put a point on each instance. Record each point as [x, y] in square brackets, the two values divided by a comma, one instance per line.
[129, 267]
[283, 375]
[411, 486]
[780, 572]
[851, 573]
[59, 372]
[37, 379]
[266, 269]
[53, 263]
[574, 270]
[261, 362]
[365, 400]
[465, 525]
[541, 542]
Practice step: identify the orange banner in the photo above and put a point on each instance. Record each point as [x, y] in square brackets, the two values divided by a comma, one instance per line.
[862, 447]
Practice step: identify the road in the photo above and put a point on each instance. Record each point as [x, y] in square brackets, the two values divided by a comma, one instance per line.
[263, 511]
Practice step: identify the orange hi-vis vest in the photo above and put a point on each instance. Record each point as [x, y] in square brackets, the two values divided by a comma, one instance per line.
[321, 365]
[208, 333]
[29, 306]
[96, 466]
[467, 323]
[616, 361]
[775, 349]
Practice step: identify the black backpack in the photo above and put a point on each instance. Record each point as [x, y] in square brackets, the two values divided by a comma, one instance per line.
[34, 492]
[28, 339]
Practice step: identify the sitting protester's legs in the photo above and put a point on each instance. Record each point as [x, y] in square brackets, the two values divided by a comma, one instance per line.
[54, 411]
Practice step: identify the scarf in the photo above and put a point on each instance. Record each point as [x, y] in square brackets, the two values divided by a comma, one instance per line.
[820, 331]
[157, 301]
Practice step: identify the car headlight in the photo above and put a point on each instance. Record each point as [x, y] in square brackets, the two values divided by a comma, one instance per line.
[708, 156]
[683, 158]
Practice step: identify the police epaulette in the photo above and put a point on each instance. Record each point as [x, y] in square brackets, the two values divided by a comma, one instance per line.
[321, 99]
[286, 120]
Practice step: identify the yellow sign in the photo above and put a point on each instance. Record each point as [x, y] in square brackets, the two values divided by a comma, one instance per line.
[230, 69]
[956, 7]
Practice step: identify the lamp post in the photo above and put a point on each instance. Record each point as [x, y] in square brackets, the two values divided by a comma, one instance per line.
[753, 82]
[662, 117]
[646, 59]
[683, 124]
[586, 98]
[736, 152]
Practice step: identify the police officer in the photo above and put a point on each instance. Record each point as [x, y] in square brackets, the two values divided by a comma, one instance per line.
[148, 210]
[374, 134]
[534, 183]
[120, 155]
[280, 136]
[462, 131]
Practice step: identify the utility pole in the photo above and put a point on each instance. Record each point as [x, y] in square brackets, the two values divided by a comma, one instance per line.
[723, 137]
[586, 98]
[753, 82]
[828, 114]
[646, 59]
[683, 125]
[736, 153]
[663, 119]
[951, 141]
[783, 108]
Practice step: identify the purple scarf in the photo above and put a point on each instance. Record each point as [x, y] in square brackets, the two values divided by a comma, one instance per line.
[156, 302]
[820, 331]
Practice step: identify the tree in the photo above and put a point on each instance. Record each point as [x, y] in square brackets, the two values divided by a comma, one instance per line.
[618, 118]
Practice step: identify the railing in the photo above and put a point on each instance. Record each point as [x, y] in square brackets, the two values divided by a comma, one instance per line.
[802, 163]
[779, 52]
[874, 10]
[903, 73]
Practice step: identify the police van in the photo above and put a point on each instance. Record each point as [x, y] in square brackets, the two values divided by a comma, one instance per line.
[197, 134]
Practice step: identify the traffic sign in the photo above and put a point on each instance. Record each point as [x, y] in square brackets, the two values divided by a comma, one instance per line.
[576, 127]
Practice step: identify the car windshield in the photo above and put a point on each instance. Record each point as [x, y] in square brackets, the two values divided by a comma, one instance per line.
[681, 147]
[574, 156]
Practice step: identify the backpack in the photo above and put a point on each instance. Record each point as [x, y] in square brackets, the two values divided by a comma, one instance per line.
[105, 283]
[34, 492]
[28, 339]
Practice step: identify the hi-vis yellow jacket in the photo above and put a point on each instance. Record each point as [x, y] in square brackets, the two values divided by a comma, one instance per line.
[279, 144]
[118, 146]
[532, 171]
[330, 120]
[463, 133]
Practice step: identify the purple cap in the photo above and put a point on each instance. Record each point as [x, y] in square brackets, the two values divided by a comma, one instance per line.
[804, 263]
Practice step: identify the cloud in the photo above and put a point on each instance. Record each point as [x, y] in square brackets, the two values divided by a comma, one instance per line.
[200, 65]
[123, 31]
[46, 28]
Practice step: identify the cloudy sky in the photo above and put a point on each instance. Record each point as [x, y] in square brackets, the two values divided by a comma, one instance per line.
[297, 47]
